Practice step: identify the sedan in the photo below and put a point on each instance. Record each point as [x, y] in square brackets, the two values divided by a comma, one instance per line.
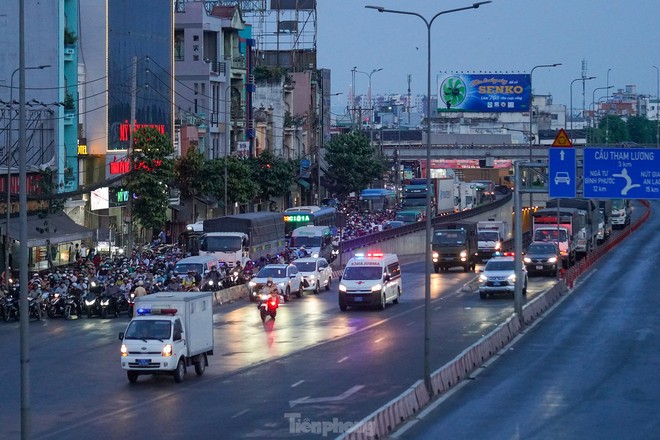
[499, 276]
[543, 257]
[286, 277]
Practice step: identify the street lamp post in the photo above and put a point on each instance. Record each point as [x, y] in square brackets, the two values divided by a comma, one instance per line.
[593, 106]
[371, 106]
[8, 154]
[607, 102]
[657, 102]
[427, 277]
[531, 114]
[571, 109]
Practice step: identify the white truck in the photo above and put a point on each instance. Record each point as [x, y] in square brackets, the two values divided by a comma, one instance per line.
[169, 332]
[490, 236]
[465, 193]
[444, 195]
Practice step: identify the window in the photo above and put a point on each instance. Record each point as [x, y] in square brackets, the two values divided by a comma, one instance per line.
[394, 270]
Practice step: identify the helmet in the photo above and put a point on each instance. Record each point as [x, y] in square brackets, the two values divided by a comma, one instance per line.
[270, 281]
[140, 283]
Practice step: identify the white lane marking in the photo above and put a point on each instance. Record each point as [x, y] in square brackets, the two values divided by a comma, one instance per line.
[342, 396]
[378, 340]
[436, 308]
[342, 359]
[240, 413]
[297, 383]
[411, 323]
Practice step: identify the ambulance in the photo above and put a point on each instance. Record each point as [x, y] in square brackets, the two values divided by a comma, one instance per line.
[370, 279]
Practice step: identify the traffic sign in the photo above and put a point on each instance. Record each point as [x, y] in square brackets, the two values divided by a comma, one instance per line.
[621, 173]
[561, 172]
[562, 140]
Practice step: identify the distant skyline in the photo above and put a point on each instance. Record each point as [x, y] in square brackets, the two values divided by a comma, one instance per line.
[503, 36]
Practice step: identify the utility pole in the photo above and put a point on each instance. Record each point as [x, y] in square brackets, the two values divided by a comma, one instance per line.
[409, 97]
[129, 152]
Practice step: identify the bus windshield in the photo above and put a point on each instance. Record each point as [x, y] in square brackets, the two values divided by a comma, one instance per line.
[220, 244]
[449, 237]
[307, 241]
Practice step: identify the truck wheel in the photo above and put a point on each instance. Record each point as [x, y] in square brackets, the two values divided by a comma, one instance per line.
[180, 371]
[132, 376]
[201, 365]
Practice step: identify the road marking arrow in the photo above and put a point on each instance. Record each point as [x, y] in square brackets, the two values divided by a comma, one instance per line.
[342, 396]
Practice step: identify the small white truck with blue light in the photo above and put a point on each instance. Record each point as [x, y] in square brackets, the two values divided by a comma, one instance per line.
[169, 332]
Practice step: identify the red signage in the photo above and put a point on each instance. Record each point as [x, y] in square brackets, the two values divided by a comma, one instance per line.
[125, 129]
[123, 165]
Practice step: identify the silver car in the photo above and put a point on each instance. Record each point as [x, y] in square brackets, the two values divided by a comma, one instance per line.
[499, 276]
[286, 277]
[316, 273]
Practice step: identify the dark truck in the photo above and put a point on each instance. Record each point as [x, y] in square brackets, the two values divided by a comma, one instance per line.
[455, 244]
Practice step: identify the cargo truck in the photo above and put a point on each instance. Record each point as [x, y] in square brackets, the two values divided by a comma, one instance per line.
[621, 213]
[605, 222]
[557, 225]
[444, 195]
[587, 226]
[169, 332]
[243, 237]
[455, 244]
[490, 236]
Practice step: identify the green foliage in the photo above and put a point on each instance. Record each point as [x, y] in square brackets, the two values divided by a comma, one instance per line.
[69, 104]
[70, 37]
[641, 130]
[150, 178]
[189, 173]
[266, 73]
[353, 163]
[241, 187]
[274, 175]
[618, 131]
[48, 186]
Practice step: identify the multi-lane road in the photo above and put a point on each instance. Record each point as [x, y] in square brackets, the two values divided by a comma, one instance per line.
[313, 367]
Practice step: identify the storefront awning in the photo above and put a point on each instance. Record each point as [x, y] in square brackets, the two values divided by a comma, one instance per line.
[58, 228]
[303, 183]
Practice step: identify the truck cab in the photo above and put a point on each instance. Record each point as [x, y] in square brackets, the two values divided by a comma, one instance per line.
[455, 245]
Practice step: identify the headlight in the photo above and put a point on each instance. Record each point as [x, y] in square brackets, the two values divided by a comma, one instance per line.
[552, 260]
[463, 254]
[312, 277]
[498, 246]
[89, 303]
[342, 288]
[527, 260]
[315, 255]
[483, 278]
[512, 277]
[105, 302]
[235, 274]
[123, 350]
[282, 284]
[435, 255]
[167, 350]
[264, 297]
[252, 283]
[210, 282]
[93, 284]
[377, 288]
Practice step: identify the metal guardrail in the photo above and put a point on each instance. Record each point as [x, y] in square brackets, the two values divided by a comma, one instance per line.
[366, 240]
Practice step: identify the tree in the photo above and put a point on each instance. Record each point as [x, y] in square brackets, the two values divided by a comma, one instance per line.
[148, 182]
[274, 175]
[189, 173]
[353, 163]
[641, 130]
[618, 131]
[241, 187]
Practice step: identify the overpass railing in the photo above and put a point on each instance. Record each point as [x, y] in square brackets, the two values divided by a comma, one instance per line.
[369, 239]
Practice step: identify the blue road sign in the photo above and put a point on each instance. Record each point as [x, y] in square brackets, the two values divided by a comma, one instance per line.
[561, 172]
[621, 173]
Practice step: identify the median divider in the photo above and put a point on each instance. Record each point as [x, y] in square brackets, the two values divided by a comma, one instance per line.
[231, 294]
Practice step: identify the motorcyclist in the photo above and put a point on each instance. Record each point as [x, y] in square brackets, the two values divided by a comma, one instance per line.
[269, 289]
[140, 290]
[189, 281]
[211, 275]
[302, 252]
[237, 272]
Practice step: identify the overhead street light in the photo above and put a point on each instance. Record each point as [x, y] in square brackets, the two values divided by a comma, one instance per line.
[8, 160]
[593, 105]
[427, 278]
[571, 110]
[531, 113]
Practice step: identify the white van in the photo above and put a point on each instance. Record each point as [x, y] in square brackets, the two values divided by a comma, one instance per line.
[370, 279]
[200, 264]
[316, 239]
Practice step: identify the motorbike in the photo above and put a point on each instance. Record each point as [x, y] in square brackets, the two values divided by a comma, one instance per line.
[55, 305]
[131, 304]
[268, 304]
[34, 307]
[10, 308]
[208, 285]
[108, 305]
[72, 305]
[92, 305]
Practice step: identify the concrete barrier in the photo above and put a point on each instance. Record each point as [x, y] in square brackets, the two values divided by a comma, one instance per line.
[231, 294]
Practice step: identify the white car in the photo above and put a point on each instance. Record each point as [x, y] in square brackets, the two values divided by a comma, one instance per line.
[316, 273]
[499, 276]
[286, 277]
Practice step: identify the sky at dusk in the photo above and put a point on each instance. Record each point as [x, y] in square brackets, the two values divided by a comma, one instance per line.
[504, 36]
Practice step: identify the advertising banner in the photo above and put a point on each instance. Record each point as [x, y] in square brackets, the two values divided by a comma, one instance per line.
[492, 92]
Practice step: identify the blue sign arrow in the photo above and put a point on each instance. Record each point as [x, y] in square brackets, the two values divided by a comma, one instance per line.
[621, 173]
[561, 172]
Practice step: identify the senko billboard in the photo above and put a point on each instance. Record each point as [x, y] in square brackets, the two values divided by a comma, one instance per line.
[491, 92]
